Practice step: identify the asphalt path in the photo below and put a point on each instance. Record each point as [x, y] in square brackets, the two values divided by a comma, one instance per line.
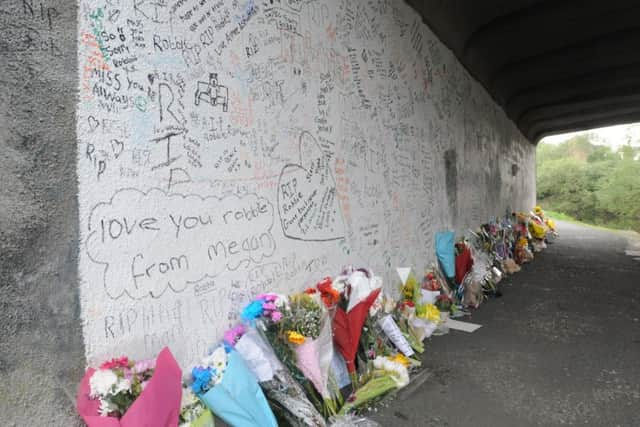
[560, 347]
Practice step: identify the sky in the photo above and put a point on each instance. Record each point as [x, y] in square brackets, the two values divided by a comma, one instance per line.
[613, 136]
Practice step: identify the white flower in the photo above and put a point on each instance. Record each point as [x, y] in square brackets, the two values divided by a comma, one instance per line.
[397, 371]
[281, 301]
[106, 407]
[122, 385]
[219, 359]
[101, 382]
[188, 397]
[216, 378]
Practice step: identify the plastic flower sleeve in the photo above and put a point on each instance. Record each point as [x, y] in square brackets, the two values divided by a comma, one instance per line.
[445, 253]
[429, 297]
[314, 359]
[287, 396]
[238, 399]
[157, 405]
[362, 285]
[258, 355]
[394, 333]
[347, 328]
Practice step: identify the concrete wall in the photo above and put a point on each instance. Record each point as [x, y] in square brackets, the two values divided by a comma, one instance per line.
[41, 351]
[225, 148]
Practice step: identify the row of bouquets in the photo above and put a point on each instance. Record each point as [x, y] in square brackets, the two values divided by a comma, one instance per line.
[291, 358]
[306, 359]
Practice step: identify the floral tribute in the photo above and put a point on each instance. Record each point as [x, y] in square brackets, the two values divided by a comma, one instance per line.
[278, 365]
[123, 392]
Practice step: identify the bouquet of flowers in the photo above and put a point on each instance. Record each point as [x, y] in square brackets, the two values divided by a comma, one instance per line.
[306, 327]
[361, 290]
[411, 314]
[122, 392]
[444, 303]
[431, 281]
[433, 284]
[285, 394]
[389, 373]
[227, 387]
[421, 322]
[193, 413]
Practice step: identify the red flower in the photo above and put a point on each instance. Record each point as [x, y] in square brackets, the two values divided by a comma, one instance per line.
[443, 297]
[330, 295]
[310, 291]
[121, 362]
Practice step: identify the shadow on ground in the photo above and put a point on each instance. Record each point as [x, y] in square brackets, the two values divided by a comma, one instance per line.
[561, 347]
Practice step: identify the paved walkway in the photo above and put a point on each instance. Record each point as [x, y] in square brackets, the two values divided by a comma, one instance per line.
[561, 347]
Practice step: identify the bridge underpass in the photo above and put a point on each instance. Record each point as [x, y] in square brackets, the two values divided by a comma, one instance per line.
[554, 66]
[560, 347]
[407, 130]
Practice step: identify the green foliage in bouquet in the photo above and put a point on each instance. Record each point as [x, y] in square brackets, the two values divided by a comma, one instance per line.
[304, 316]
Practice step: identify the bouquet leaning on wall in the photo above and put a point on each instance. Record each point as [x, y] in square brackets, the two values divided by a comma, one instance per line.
[359, 291]
[286, 396]
[193, 413]
[306, 329]
[230, 390]
[124, 393]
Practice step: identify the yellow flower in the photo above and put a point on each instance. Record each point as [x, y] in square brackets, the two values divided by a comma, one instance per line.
[401, 359]
[295, 338]
[523, 242]
[429, 312]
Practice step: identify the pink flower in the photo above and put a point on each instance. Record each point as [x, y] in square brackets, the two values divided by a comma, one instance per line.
[276, 316]
[267, 297]
[268, 306]
[232, 336]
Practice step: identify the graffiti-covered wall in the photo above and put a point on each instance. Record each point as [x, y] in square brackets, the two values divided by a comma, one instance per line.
[229, 147]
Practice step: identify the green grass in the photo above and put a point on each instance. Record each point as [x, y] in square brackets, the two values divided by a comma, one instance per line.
[567, 218]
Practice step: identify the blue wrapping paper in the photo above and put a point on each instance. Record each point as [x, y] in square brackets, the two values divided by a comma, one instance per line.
[445, 253]
[238, 399]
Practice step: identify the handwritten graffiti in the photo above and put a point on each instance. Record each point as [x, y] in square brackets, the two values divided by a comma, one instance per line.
[307, 200]
[212, 93]
[152, 242]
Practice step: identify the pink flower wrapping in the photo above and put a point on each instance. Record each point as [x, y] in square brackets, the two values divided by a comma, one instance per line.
[158, 405]
[313, 358]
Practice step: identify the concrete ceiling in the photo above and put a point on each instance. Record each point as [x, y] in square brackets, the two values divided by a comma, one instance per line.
[554, 65]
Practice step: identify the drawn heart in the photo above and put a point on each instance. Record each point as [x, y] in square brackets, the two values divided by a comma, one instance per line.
[307, 197]
[93, 123]
[117, 147]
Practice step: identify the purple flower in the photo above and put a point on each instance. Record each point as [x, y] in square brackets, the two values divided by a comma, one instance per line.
[144, 365]
[128, 374]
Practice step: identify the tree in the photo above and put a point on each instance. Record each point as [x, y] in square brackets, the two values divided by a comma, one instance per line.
[590, 182]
